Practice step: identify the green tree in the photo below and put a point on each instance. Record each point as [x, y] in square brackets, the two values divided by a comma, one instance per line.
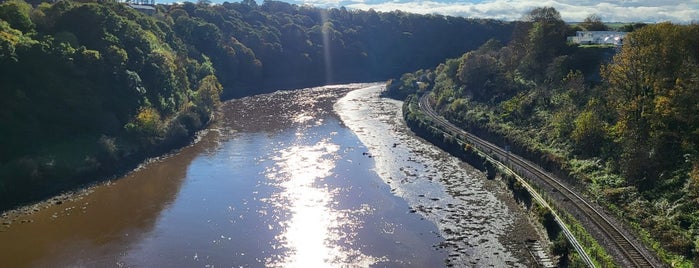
[544, 15]
[17, 13]
[594, 23]
[588, 133]
[632, 27]
[546, 39]
[480, 74]
[207, 97]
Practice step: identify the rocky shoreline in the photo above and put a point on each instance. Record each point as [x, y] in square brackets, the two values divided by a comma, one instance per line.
[479, 218]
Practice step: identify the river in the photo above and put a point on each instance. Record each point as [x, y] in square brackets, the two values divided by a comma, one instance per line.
[319, 177]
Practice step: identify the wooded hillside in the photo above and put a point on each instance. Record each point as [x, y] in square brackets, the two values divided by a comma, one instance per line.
[90, 88]
[623, 122]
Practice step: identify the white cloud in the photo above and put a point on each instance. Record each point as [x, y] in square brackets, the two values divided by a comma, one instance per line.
[622, 11]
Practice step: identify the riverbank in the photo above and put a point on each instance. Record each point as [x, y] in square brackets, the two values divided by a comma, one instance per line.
[86, 160]
[277, 178]
[279, 181]
[75, 193]
[481, 222]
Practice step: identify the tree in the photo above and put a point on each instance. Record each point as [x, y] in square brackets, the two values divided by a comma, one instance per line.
[480, 74]
[632, 27]
[560, 246]
[17, 14]
[147, 122]
[208, 94]
[251, 3]
[588, 133]
[546, 39]
[594, 23]
[653, 90]
[543, 14]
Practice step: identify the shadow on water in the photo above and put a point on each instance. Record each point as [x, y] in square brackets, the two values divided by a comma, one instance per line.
[280, 181]
[106, 217]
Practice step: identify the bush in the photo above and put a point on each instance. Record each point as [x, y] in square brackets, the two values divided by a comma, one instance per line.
[147, 122]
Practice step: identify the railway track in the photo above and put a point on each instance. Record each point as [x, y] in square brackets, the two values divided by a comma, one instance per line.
[630, 252]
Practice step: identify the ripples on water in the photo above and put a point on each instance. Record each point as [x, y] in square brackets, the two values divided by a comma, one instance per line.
[281, 181]
[315, 228]
[336, 204]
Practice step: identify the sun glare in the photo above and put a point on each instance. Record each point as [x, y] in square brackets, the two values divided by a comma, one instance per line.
[311, 232]
[325, 30]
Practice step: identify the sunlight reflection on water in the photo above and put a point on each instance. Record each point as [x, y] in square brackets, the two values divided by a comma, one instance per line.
[281, 182]
[315, 229]
[300, 167]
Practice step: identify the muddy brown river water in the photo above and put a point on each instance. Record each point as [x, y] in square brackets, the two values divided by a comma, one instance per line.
[318, 177]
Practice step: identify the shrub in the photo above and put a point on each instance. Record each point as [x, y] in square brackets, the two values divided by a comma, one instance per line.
[147, 121]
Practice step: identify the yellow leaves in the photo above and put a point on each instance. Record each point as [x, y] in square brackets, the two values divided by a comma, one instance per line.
[147, 115]
[646, 78]
[663, 106]
[208, 93]
[89, 55]
[147, 121]
[11, 38]
[8, 33]
[148, 118]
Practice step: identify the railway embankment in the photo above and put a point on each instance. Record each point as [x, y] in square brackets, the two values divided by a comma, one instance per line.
[604, 239]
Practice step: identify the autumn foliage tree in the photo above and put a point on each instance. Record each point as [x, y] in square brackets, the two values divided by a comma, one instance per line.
[653, 94]
[654, 89]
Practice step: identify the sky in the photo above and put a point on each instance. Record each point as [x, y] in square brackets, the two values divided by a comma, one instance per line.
[677, 11]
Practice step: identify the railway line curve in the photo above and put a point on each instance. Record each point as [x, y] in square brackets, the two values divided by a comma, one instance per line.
[630, 253]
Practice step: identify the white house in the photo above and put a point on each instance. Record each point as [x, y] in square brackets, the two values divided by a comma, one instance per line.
[147, 9]
[144, 6]
[598, 38]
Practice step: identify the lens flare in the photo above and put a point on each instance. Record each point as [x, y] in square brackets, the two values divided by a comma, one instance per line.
[326, 30]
